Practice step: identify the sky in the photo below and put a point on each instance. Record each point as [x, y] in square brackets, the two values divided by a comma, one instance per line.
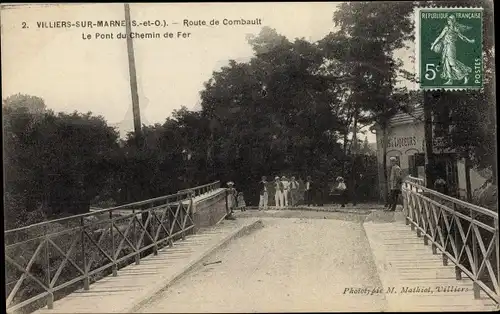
[75, 74]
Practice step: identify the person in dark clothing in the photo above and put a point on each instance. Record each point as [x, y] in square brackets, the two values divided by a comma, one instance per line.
[395, 181]
[294, 191]
[264, 195]
[320, 193]
[309, 191]
[440, 186]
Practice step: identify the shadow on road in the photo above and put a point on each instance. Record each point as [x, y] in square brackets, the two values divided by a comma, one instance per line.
[358, 216]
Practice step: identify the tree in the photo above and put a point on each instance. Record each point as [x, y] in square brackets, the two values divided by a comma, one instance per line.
[472, 114]
[364, 46]
[32, 104]
[273, 114]
[54, 162]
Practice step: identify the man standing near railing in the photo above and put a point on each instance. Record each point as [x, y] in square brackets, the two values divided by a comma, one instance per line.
[395, 181]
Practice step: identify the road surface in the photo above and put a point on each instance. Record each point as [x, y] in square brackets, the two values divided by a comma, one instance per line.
[292, 264]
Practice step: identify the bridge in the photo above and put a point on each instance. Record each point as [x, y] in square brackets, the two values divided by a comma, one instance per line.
[177, 253]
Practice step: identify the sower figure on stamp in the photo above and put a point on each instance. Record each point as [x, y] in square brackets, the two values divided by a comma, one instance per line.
[395, 181]
[445, 43]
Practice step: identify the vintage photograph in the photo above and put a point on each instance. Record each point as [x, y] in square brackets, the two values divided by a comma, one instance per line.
[250, 157]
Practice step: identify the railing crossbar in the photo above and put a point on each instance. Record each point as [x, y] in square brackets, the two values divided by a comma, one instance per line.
[441, 220]
[173, 214]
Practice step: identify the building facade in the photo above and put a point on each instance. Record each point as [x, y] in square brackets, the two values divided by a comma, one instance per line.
[406, 141]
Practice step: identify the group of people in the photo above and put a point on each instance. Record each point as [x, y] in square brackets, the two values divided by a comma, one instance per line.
[235, 199]
[288, 193]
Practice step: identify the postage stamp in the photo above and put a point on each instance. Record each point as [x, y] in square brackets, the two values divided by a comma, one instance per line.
[449, 48]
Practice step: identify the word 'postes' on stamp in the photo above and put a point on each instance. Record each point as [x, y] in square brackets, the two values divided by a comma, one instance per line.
[449, 48]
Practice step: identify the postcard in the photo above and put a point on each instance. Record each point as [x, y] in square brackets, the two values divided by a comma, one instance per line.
[208, 157]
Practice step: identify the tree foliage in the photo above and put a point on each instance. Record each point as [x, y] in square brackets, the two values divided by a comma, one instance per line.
[289, 110]
[54, 160]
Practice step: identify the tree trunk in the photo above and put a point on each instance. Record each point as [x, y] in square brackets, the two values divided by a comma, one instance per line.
[467, 180]
[494, 169]
[384, 161]
[345, 154]
[210, 148]
[429, 153]
[354, 152]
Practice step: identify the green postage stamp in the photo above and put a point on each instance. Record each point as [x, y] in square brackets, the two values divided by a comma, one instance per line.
[449, 48]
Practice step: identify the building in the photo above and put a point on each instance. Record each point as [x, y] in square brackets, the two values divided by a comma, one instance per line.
[406, 142]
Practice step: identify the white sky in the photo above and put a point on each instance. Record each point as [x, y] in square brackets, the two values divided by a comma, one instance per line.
[92, 75]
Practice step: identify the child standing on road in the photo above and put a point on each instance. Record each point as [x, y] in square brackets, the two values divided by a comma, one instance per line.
[241, 202]
[342, 188]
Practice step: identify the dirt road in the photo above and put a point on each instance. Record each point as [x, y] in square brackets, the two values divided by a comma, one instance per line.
[292, 264]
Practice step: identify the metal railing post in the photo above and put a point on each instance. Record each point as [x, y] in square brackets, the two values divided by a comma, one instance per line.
[137, 255]
[458, 272]
[150, 227]
[497, 249]
[445, 257]
[169, 219]
[427, 221]
[419, 218]
[50, 297]
[83, 230]
[475, 269]
[86, 281]
[406, 203]
[181, 216]
[113, 244]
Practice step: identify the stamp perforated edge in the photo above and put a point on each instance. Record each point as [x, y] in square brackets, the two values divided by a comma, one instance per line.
[416, 18]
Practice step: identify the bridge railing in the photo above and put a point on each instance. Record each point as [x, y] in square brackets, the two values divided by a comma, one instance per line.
[51, 259]
[203, 189]
[466, 234]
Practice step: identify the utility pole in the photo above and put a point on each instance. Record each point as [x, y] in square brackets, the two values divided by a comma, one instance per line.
[428, 131]
[135, 109]
[133, 79]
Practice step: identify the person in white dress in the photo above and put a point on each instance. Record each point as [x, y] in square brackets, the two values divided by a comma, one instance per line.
[231, 200]
[286, 190]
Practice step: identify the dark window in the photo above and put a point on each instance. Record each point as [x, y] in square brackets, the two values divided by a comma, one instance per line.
[412, 168]
[420, 160]
[415, 161]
